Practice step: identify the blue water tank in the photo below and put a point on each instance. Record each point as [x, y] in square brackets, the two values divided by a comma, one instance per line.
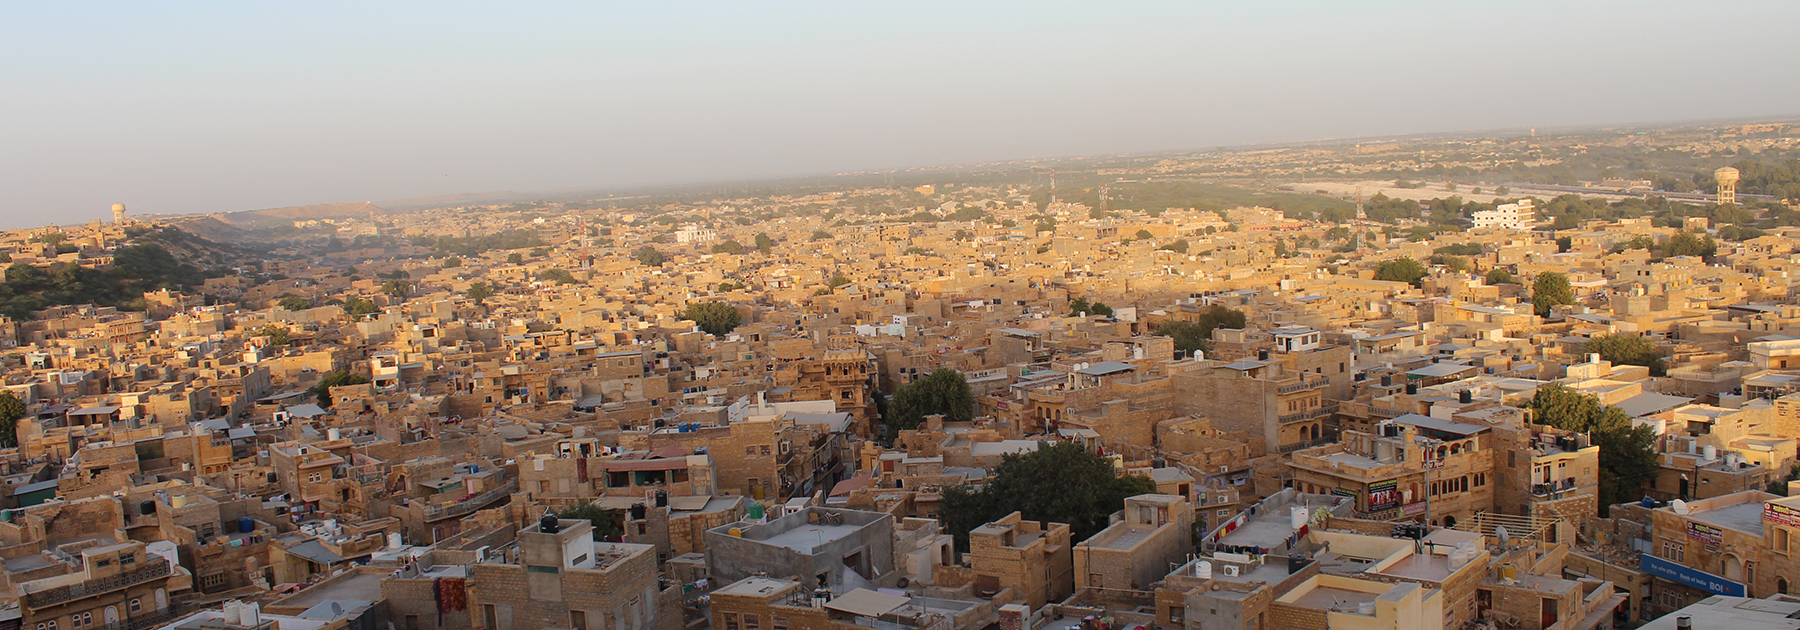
[246, 525]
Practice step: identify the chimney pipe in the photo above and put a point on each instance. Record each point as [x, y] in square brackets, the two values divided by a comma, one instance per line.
[1684, 622]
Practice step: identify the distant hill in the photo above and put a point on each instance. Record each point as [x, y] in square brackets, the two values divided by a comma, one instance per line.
[270, 217]
[459, 199]
[208, 228]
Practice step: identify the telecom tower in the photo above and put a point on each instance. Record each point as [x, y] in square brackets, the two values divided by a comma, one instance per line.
[1360, 215]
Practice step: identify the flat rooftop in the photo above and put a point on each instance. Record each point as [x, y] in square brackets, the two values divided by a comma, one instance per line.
[1124, 538]
[358, 586]
[808, 537]
[1337, 599]
[1744, 517]
[1424, 568]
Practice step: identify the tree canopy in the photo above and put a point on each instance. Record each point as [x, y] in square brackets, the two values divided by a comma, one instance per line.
[1197, 335]
[728, 247]
[943, 391]
[1060, 483]
[340, 378]
[763, 242]
[1627, 454]
[650, 256]
[716, 318]
[1498, 276]
[1627, 350]
[11, 409]
[292, 302]
[1402, 269]
[1550, 289]
[606, 522]
[1081, 306]
[559, 276]
[356, 306]
[479, 291]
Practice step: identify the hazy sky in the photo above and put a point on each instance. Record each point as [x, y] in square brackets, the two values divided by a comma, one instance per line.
[197, 107]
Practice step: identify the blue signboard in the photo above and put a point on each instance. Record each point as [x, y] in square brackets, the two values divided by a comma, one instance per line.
[1690, 577]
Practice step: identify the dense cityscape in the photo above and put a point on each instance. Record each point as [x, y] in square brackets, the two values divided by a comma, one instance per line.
[1522, 380]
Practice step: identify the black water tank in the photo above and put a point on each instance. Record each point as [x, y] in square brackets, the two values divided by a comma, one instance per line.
[549, 525]
[1296, 562]
[147, 507]
[662, 498]
[1387, 380]
[1412, 388]
[1262, 355]
[1465, 396]
[638, 511]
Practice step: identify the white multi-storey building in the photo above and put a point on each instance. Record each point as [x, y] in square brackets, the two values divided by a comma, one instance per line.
[1508, 216]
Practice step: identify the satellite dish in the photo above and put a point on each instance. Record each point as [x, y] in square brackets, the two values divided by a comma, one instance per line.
[1500, 533]
[337, 610]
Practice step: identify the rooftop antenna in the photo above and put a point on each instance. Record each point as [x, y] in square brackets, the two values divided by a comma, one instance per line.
[1053, 186]
[1359, 204]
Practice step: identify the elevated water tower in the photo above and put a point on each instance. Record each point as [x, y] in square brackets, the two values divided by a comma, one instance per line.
[118, 213]
[1727, 178]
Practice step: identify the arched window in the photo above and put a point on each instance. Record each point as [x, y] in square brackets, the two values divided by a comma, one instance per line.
[1781, 585]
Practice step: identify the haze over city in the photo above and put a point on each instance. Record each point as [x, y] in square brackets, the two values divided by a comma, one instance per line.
[225, 106]
[921, 316]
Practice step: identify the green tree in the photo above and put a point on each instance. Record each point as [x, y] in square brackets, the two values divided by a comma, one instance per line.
[1627, 350]
[11, 409]
[1080, 306]
[358, 307]
[1627, 454]
[1690, 244]
[396, 288]
[1179, 246]
[716, 318]
[1550, 289]
[943, 391]
[1143, 235]
[1059, 482]
[650, 256]
[606, 522]
[1457, 264]
[1281, 248]
[763, 242]
[1402, 269]
[479, 291]
[820, 235]
[340, 378]
[452, 262]
[559, 276]
[515, 258]
[292, 302]
[1498, 276]
[728, 247]
[1197, 334]
[277, 334]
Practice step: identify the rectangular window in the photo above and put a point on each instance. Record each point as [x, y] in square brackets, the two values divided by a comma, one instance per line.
[731, 621]
[578, 620]
[136, 605]
[777, 622]
[752, 622]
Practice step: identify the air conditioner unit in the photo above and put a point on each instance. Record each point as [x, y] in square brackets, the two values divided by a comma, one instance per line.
[1231, 570]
